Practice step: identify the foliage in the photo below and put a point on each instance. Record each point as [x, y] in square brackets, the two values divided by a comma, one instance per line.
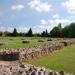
[30, 33]
[0, 33]
[45, 33]
[69, 31]
[57, 31]
[15, 33]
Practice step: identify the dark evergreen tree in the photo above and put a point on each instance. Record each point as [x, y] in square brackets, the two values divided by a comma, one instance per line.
[15, 33]
[0, 33]
[29, 33]
[43, 34]
[47, 34]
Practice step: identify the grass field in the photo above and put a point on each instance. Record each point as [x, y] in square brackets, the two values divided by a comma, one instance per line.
[59, 60]
[17, 42]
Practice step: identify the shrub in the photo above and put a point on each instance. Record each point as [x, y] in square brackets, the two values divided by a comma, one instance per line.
[49, 39]
[40, 40]
[25, 41]
[11, 39]
[22, 39]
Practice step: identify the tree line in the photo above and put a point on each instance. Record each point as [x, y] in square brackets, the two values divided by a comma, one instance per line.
[57, 32]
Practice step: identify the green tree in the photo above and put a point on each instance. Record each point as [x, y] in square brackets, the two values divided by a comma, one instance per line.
[15, 33]
[56, 32]
[72, 30]
[66, 31]
[44, 33]
[29, 33]
[60, 26]
[0, 33]
[69, 31]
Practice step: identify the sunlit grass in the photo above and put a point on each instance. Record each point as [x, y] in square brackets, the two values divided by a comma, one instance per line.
[59, 60]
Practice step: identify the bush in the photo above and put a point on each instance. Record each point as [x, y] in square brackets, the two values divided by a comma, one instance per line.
[40, 40]
[25, 41]
[49, 39]
[11, 39]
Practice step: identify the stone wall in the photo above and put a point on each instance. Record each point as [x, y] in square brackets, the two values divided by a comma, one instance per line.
[27, 69]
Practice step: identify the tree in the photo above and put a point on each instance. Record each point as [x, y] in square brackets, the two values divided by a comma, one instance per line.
[45, 33]
[69, 31]
[59, 25]
[0, 33]
[72, 30]
[66, 32]
[29, 33]
[56, 32]
[15, 33]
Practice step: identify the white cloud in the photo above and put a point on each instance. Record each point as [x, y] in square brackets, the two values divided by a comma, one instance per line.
[70, 17]
[17, 7]
[3, 29]
[50, 23]
[40, 6]
[22, 29]
[70, 6]
[56, 21]
[56, 16]
[43, 22]
[39, 28]
[10, 29]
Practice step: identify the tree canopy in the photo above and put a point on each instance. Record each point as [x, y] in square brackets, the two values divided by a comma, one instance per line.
[57, 31]
[29, 33]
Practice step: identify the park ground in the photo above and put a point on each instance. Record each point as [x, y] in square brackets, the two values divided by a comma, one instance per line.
[63, 59]
[59, 60]
[16, 42]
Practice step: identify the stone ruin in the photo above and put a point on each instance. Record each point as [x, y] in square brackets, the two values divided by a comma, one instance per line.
[11, 54]
[31, 53]
[26, 69]
[2, 43]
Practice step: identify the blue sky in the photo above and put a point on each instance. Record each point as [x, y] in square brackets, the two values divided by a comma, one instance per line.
[37, 14]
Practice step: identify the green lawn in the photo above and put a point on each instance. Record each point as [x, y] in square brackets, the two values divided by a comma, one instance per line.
[59, 60]
[17, 42]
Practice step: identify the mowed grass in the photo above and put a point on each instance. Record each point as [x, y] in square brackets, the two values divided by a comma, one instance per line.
[58, 60]
[17, 42]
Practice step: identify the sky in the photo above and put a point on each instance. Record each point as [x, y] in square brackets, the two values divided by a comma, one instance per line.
[37, 14]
